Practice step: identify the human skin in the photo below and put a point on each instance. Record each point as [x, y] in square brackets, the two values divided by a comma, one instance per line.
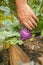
[25, 14]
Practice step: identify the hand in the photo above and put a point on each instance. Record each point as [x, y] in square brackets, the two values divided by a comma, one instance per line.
[27, 17]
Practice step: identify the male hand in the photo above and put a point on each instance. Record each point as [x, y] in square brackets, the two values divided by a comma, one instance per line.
[27, 16]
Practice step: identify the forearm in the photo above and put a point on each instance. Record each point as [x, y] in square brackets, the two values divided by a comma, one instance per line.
[19, 3]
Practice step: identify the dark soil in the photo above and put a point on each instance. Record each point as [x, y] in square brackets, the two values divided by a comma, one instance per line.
[4, 58]
[33, 48]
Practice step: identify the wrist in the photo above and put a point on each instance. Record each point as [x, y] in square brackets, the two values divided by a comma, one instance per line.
[20, 3]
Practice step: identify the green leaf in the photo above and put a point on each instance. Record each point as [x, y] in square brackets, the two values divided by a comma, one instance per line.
[42, 33]
[14, 41]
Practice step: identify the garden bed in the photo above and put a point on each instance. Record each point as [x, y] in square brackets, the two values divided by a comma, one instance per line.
[30, 51]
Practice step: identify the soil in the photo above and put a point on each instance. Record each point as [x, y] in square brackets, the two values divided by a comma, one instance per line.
[33, 48]
[4, 58]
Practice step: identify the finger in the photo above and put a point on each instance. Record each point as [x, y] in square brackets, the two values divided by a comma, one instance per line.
[27, 25]
[31, 25]
[29, 22]
[35, 17]
[33, 22]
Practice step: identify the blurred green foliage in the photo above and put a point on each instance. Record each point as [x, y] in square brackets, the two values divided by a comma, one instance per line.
[37, 6]
[9, 26]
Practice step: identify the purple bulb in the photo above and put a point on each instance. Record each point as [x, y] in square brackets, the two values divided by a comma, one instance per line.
[25, 34]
